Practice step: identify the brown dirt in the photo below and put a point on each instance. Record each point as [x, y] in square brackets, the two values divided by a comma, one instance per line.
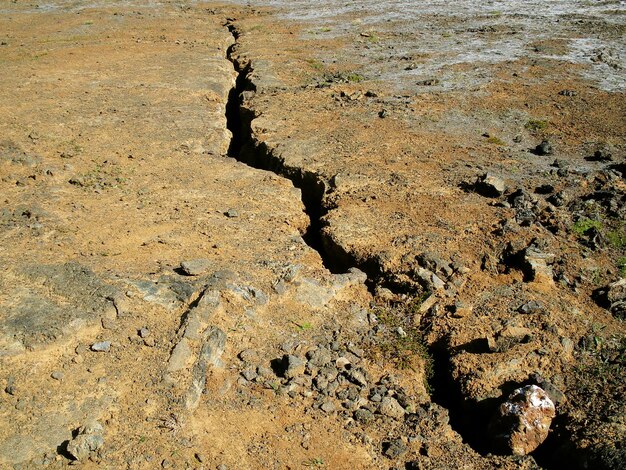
[115, 167]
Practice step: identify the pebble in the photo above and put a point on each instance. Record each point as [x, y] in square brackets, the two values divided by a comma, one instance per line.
[232, 213]
[102, 346]
[328, 407]
[57, 375]
[144, 332]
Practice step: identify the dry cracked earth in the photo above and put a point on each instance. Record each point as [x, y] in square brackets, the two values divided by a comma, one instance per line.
[245, 237]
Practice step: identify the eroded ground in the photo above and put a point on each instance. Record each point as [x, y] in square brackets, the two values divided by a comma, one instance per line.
[265, 349]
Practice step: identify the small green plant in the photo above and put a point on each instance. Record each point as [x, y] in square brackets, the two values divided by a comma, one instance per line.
[303, 325]
[535, 125]
[621, 265]
[354, 78]
[617, 238]
[314, 462]
[496, 141]
[583, 225]
[315, 64]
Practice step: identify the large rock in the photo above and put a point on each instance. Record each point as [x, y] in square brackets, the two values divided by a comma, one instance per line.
[523, 421]
[88, 440]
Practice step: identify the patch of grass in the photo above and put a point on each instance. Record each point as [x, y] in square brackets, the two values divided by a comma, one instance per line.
[535, 125]
[496, 141]
[354, 77]
[617, 238]
[621, 265]
[401, 342]
[314, 462]
[315, 64]
[583, 225]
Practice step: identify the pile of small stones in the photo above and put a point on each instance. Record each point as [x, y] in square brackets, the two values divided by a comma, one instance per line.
[333, 376]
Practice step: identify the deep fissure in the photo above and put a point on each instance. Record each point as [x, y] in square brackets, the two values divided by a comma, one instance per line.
[245, 149]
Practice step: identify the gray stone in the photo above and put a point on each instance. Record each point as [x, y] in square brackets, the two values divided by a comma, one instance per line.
[232, 213]
[195, 267]
[88, 440]
[490, 185]
[363, 416]
[210, 354]
[249, 355]
[328, 407]
[57, 375]
[390, 407]
[249, 374]
[532, 307]
[319, 357]
[544, 148]
[180, 357]
[394, 448]
[102, 346]
[144, 332]
[294, 366]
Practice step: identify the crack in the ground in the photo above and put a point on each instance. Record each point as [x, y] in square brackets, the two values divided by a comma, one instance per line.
[256, 154]
[244, 148]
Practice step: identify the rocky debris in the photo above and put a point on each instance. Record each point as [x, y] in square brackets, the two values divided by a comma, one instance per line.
[539, 264]
[532, 306]
[544, 148]
[293, 366]
[613, 297]
[390, 407]
[102, 346]
[394, 448]
[88, 440]
[195, 267]
[490, 185]
[523, 421]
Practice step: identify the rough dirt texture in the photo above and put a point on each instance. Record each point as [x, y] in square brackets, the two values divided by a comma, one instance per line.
[243, 237]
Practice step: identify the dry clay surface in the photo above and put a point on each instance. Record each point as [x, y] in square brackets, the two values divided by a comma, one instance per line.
[208, 314]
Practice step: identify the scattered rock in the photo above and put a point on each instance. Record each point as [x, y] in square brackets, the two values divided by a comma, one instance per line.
[88, 440]
[57, 375]
[363, 416]
[389, 406]
[544, 148]
[490, 186]
[531, 307]
[328, 407]
[195, 267]
[523, 421]
[294, 366]
[102, 346]
[394, 448]
[232, 213]
[144, 332]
